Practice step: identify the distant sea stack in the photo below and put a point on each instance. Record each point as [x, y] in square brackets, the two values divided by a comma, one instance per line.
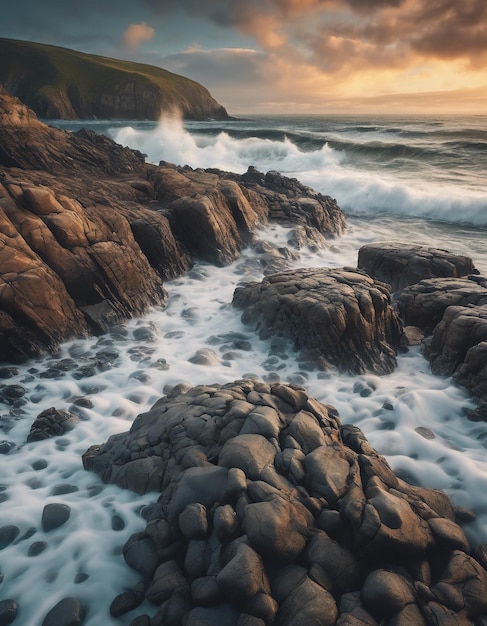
[58, 83]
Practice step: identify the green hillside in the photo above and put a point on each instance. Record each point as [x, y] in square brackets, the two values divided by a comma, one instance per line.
[66, 84]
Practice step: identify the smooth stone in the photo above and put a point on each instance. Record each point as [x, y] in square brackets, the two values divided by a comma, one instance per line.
[54, 515]
[8, 611]
[67, 612]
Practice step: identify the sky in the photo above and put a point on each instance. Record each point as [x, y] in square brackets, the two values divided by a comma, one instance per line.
[286, 56]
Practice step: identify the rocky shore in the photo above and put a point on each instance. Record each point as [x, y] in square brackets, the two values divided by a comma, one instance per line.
[273, 512]
[269, 510]
[91, 230]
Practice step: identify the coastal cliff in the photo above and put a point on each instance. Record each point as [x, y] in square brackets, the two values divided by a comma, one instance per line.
[59, 83]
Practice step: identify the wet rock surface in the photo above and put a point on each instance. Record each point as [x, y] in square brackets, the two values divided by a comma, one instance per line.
[424, 303]
[50, 423]
[458, 347]
[90, 231]
[342, 318]
[402, 265]
[272, 512]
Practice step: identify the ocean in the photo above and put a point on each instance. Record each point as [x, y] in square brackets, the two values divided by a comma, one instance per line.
[414, 180]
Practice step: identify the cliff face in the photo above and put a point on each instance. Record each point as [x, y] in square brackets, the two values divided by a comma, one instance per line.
[58, 83]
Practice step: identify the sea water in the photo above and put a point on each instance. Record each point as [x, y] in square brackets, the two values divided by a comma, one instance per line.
[416, 181]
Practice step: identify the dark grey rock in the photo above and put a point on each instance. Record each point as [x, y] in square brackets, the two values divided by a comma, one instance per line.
[424, 303]
[458, 347]
[386, 593]
[67, 612]
[168, 578]
[401, 265]
[243, 576]
[193, 521]
[51, 423]
[54, 515]
[8, 534]
[270, 511]
[307, 604]
[37, 548]
[338, 318]
[125, 602]
[8, 611]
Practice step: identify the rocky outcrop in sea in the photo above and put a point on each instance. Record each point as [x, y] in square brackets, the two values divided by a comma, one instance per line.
[273, 512]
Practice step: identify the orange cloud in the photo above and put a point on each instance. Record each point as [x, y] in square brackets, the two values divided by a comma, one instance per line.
[136, 34]
[324, 52]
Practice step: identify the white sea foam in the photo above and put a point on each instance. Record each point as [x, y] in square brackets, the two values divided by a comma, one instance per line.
[200, 316]
[423, 192]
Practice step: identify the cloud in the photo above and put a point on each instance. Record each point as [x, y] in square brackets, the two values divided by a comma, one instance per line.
[136, 34]
[441, 29]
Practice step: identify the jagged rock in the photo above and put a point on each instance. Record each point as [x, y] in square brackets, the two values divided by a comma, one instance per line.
[50, 423]
[458, 347]
[90, 231]
[401, 265]
[291, 202]
[342, 317]
[424, 303]
[306, 528]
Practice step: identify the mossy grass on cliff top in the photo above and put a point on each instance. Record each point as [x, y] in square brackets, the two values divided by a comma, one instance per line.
[62, 83]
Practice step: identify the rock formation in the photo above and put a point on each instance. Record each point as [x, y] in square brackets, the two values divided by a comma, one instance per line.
[442, 294]
[340, 318]
[423, 304]
[272, 512]
[90, 231]
[402, 265]
[458, 347]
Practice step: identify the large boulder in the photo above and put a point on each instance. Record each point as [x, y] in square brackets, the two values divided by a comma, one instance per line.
[458, 347]
[423, 304]
[401, 265]
[261, 520]
[342, 318]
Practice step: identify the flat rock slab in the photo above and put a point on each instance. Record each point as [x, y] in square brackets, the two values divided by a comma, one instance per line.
[342, 318]
[279, 525]
[401, 265]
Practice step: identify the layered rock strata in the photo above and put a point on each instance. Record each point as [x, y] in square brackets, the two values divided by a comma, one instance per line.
[339, 318]
[402, 265]
[89, 231]
[272, 512]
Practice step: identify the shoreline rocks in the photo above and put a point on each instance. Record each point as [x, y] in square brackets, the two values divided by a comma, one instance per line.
[273, 512]
[340, 318]
[449, 306]
[402, 265]
[90, 231]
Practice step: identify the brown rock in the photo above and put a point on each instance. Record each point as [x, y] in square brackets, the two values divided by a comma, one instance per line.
[401, 265]
[341, 317]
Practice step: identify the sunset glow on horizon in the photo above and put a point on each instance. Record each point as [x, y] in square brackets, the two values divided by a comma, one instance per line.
[289, 56]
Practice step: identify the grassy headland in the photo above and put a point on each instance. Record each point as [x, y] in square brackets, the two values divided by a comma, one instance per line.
[66, 84]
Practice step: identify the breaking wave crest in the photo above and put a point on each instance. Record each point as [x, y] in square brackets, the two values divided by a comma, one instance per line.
[365, 177]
